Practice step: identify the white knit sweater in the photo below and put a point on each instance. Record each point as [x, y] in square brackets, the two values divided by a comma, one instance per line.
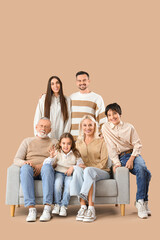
[58, 127]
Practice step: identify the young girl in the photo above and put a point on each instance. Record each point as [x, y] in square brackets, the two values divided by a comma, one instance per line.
[65, 158]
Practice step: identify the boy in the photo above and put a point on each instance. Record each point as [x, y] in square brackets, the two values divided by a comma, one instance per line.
[124, 149]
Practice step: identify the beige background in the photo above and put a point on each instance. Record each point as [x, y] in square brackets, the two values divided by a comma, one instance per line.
[117, 42]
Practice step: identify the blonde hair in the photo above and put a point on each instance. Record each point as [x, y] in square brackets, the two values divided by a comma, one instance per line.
[96, 132]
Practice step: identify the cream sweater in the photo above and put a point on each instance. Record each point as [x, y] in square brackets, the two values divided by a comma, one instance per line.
[34, 149]
[63, 161]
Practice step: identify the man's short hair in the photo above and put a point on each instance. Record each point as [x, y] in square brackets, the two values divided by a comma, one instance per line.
[82, 73]
[113, 107]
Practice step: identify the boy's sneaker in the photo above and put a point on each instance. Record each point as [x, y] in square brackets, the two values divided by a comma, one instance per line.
[80, 214]
[142, 213]
[63, 211]
[46, 215]
[56, 209]
[89, 216]
[147, 209]
[32, 215]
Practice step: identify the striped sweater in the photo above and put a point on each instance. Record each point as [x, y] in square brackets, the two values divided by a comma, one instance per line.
[86, 104]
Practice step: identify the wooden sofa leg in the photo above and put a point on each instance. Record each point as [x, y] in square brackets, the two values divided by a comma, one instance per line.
[116, 205]
[12, 207]
[122, 209]
[18, 205]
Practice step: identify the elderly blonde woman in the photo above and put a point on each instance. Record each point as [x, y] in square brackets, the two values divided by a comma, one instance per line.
[95, 156]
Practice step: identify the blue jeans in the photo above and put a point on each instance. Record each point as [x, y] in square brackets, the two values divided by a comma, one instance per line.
[143, 175]
[27, 181]
[83, 180]
[62, 180]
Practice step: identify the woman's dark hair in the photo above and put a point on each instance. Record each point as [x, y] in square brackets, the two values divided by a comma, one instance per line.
[82, 73]
[113, 107]
[73, 147]
[48, 98]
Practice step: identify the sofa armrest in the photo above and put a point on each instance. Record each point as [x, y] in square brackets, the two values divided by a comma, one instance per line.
[13, 183]
[123, 183]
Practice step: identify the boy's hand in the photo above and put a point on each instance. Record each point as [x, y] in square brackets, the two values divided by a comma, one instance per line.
[69, 171]
[129, 163]
[114, 167]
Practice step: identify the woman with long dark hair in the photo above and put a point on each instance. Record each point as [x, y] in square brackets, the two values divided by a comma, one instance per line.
[55, 106]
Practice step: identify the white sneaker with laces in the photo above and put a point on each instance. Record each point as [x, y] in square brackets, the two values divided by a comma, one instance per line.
[147, 209]
[56, 209]
[46, 215]
[32, 215]
[80, 214]
[142, 213]
[63, 211]
[89, 216]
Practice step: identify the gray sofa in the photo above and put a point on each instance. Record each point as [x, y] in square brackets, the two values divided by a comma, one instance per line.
[112, 191]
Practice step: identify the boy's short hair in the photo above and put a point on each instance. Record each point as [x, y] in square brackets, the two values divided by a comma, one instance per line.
[113, 107]
[82, 73]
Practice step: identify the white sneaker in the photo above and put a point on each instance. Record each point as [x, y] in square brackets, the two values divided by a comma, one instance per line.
[80, 214]
[46, 215]
[63, 211]
[89, 216]
[56, 209]
[142, 213]
[147, 209]
[32, 215]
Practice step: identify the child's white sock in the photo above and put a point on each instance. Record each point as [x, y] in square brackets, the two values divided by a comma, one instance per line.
[47, 207]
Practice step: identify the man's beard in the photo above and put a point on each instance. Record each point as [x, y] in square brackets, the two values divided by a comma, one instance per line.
[82, 87]
[42, 134]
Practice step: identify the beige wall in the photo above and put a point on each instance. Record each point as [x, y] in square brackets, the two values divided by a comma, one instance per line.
[117, 42]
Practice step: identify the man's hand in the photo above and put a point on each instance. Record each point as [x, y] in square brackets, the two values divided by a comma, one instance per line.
[69, 171]
[37, 169]
[129, 163]
[29, 163]
[114, 167]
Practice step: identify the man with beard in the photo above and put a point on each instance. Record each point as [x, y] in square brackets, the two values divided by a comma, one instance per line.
[30, 157]
[86, 102]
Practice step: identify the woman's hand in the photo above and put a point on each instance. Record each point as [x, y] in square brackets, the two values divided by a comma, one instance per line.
[69, 171]
[82, 166]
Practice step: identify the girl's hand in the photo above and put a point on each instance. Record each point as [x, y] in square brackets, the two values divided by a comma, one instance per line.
[69, 171]
[52, 152]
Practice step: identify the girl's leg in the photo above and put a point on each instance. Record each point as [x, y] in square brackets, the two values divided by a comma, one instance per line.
[58, 185]
[66, 192]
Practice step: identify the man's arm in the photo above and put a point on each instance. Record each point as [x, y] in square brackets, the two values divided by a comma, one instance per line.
[20, 156]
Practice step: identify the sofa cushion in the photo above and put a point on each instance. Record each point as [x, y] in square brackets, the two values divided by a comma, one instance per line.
[104, 188]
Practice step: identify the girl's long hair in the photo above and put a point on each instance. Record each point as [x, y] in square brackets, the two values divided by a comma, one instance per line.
[73, 147]
[48, 99]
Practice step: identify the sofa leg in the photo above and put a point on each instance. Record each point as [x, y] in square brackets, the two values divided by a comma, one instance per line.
[122, 209]
[12, 207]
[116, 205]
[18, 205]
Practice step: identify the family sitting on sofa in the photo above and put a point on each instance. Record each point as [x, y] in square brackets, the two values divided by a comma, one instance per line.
[75, 136]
